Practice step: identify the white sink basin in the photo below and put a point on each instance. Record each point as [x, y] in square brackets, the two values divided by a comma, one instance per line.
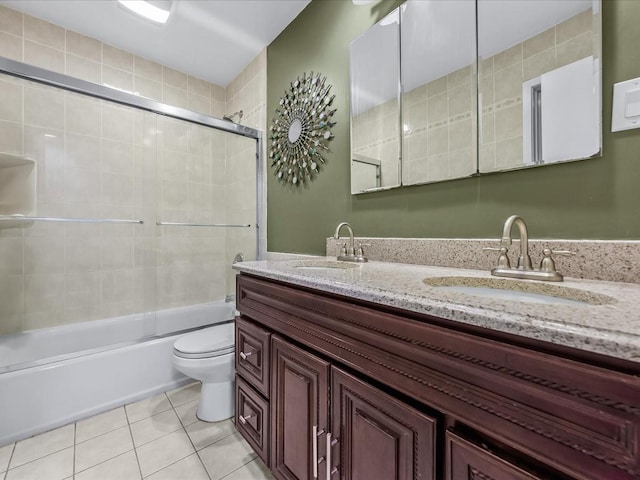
[517, 291]
[512, 295]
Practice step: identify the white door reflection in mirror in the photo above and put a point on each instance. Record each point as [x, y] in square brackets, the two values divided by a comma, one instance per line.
[374, 64]
[438, 58]
[539, 82]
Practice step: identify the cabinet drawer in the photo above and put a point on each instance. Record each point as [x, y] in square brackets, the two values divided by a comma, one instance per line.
[466, 461]
[252, 355]
[252, 418]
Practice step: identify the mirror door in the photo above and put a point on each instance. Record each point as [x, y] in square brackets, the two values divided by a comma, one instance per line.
[439, 106]
[539, 82]
[374, 61]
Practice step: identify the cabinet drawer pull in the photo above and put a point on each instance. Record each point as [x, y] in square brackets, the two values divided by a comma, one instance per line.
[243, 420]
[328, 456]
[314, 440]
[244, 355]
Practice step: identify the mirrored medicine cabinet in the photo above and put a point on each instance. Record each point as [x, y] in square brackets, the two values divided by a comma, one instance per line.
[430, 103]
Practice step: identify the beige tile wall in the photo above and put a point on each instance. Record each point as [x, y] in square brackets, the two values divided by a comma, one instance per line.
[374, 134]
[247, 92]
[439, 124]
[96, 159]
[501, 77]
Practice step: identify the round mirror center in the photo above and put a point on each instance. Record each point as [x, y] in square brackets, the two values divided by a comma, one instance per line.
[295, 130]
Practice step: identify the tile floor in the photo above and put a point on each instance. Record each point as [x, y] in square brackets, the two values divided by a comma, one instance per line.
[158, 438]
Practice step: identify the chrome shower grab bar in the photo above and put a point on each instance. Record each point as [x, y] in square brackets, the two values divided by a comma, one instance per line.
[176, 224]
[14, 218]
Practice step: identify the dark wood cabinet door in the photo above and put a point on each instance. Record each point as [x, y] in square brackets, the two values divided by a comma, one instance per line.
[376, 436]
[299, 402]
[466, 461]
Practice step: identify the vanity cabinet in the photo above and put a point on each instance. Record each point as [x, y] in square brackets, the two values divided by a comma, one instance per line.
[402, 395]
[325, 418]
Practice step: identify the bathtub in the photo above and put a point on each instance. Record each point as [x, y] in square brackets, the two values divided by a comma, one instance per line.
[51, 382]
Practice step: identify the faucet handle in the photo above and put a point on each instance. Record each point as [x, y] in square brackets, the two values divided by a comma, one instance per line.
[343, 249]
[566, 253]
[503, 259]
[360, 251]
[547, 264]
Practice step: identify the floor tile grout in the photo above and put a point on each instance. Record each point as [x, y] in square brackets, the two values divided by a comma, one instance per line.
[241, 466]
[13, 450]
[135, 451]
[36, 459]
[75, 436]
[191, 441]
[182, 428]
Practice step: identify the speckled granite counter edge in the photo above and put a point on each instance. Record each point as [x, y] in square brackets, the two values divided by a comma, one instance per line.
[607, 342]
[614, 261]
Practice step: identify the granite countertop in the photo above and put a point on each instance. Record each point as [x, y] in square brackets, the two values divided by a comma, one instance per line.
[608, 324]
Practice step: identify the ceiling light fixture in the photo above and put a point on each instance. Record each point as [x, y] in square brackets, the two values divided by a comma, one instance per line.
[156, 11]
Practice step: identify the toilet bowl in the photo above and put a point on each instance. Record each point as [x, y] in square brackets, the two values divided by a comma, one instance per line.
[208, 355]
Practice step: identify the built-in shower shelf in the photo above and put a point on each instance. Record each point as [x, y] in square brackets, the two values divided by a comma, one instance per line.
[18, 176]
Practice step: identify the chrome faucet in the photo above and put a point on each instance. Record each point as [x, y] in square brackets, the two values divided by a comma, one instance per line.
[524, 269]
[349, 254]
[524, 260]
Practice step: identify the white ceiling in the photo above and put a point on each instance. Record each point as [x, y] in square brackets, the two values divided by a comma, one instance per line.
[210, 39]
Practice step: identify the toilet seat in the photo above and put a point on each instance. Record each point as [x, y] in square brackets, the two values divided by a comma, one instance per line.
[206, 343]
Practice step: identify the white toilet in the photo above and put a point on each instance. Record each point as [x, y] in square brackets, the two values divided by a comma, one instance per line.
[208, 355]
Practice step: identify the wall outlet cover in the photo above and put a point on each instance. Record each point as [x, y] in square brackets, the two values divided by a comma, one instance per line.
[626, 105]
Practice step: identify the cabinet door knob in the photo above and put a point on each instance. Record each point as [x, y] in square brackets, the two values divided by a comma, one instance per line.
[244, 355]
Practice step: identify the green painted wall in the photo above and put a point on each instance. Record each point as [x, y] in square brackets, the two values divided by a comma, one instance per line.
[592, 199]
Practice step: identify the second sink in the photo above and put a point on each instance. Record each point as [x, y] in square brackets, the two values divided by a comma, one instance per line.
[517, 291]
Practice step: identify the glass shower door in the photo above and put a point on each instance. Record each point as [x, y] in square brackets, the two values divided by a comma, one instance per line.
[74, 251]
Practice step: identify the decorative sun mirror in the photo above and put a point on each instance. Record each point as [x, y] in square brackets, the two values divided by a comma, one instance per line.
[301, 129]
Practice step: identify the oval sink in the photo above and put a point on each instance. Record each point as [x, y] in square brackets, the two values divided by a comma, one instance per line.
[517, 291]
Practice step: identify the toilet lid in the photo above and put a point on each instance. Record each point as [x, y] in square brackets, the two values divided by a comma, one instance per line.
[208, 342]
